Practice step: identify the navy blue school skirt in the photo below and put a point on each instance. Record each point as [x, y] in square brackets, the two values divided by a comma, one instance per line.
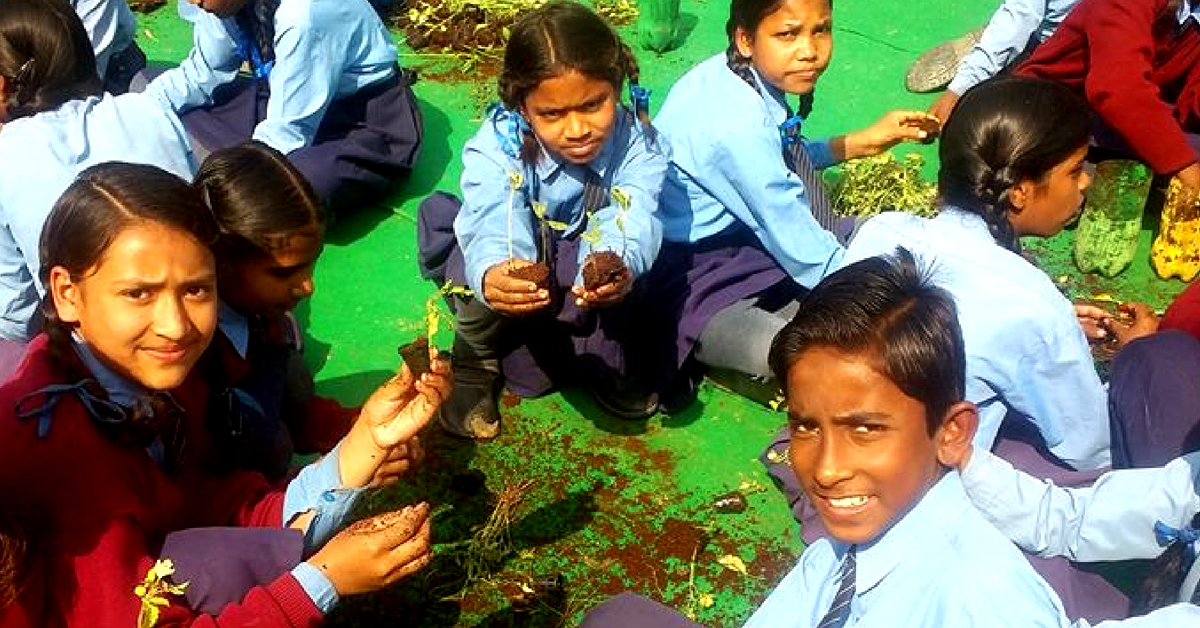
[365, 143]
[553, 348]
[688, 284]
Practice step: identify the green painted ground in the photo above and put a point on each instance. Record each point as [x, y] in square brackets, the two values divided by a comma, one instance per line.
[610, 505]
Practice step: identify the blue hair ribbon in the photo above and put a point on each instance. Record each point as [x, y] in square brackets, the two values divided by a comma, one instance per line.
[1165, 535]
[513, 136]
[789, 130]
[640, 97]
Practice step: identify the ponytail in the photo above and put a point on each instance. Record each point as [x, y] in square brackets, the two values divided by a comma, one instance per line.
[45, 57]
[639, 97]
[1168, 571]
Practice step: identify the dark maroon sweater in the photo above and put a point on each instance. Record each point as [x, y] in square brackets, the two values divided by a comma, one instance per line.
[108, 506]
[1137, 68]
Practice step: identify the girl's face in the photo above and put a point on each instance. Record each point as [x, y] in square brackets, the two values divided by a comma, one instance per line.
[272, 284]
[572, 115]
[1045, 208]
[148, 308]
[791, 47]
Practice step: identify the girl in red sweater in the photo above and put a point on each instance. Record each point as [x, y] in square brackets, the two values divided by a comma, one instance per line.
[103, 429]
[1138, 64]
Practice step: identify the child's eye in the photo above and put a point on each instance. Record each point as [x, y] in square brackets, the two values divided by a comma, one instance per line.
[135, 294]
[866, 429]
[786, 35]
[199, 292]
[804, 428]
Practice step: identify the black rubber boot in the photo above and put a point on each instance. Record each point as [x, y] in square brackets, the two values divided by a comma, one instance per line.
[472, 410]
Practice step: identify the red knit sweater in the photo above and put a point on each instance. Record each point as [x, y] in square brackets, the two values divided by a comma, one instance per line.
[1138, 69]
[108, 507]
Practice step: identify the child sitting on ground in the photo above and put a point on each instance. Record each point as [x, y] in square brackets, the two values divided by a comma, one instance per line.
[874, 368]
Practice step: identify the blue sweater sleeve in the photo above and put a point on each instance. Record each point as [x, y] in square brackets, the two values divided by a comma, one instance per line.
[752, 181]
[495, 221]
[212, 62]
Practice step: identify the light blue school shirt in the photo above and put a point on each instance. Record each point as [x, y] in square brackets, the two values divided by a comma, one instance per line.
[727, 166]
[315, 488]
[324, 50]
[1026, 352]
[1113, 519]
[1006, 36]
[940, 565]
[630, 161]
[110, 26]
[43, 153]
[1188, 10]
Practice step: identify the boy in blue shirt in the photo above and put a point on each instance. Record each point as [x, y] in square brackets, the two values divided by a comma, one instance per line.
[874, 367]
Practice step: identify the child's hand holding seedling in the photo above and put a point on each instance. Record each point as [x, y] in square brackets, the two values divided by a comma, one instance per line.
[391, 417]
[1134, 320]
[606, 280]
[893, 128]
[1094, 320]
[514, 296]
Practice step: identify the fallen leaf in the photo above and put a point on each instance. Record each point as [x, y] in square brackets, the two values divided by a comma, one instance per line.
[733, 563]
[705, 600]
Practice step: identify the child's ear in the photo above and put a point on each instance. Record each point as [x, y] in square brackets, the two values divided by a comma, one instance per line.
[956, 433]
[65, 293]
[743, 41]
[1018, 195]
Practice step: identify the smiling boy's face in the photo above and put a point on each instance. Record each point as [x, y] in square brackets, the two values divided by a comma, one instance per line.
[860, 446]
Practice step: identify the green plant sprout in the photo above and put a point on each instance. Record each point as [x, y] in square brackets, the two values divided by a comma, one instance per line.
[436, 316]
[872, 185]
[515, 180]
[153, 592]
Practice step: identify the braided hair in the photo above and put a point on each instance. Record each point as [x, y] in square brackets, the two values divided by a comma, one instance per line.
[1165, 577]
[46, 58]
[1005, 131]
[746, 15]
[560, 37]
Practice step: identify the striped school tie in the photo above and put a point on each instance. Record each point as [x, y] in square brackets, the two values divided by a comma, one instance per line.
[839, 611]
[594, 194]
[797, 161]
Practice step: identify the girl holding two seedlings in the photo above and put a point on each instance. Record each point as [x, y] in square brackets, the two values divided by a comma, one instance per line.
[103, 429]
[747, 223]
[1012, 166]
[560, 171]
[56, 120]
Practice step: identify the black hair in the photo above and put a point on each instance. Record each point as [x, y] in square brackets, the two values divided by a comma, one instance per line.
[255, 195]
[886, 308]
[556, 38]
[18, 551]
[1004, 131]
[1164, 578]
[747, 15]
[46, 57]
[102, 202]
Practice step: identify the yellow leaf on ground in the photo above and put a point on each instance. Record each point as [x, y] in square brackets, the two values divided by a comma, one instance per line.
[733, 563]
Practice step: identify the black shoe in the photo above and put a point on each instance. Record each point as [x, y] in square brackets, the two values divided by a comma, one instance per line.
[472, 410]
[622, 398]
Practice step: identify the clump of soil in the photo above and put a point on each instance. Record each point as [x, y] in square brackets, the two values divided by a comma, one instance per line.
[405, 521]
[416, 356]
[538, 273]
[145, 6]
[600, 268]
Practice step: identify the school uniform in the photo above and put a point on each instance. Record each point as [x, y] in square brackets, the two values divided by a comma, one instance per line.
[43, 153]
[324, 89]
[257, 367]
[1138, 64]
[737, 220]
[460, 242]
[111, 27]
[1126, 514]
[1016, 28]
[1026, 353]
[940, 564]
[109, 501]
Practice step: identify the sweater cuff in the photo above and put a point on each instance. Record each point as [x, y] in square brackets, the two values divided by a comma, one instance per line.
[295, 602]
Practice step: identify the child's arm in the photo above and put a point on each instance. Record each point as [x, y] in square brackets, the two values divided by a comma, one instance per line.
[635, 232]
[1111, 520]
[894, 127]
[110, 26]
[212, 62]
[1119, 86]
[495, 221]
[1004, 39]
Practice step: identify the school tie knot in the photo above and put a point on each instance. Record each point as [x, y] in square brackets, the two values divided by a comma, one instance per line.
[839, 610]
[797, 160]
